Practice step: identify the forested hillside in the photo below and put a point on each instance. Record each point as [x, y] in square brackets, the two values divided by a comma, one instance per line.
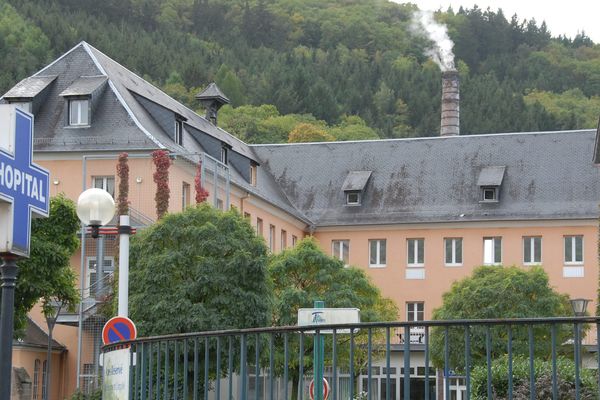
[320, 69]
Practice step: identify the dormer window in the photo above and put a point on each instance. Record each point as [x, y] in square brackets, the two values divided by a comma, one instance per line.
[354, 187]
[253, 174]
[23, 105]
[179, 132]
[353, 198]
[224, 155]
[79, 112]
[489, 182]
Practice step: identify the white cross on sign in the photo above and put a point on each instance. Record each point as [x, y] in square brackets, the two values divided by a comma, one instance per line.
[23, 184]
[328, 316]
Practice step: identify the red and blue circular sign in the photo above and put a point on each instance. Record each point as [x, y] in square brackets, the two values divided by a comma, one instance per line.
[118, 329]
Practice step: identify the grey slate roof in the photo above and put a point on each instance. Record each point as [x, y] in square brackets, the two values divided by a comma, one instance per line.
[548, 176]
[84, 85]
[36, 337]
[29, 87]
[212, 92]
[491, 176]
[356, 180]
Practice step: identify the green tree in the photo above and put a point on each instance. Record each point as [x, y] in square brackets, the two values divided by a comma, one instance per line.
[498, 292]
[309, 133]
[47, 274]
[198, 270]
[304, 274]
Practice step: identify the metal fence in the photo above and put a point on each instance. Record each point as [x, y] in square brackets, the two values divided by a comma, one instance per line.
[538, 358]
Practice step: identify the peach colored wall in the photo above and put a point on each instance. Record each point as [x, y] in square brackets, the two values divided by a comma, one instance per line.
[25, 357]
[438, 277]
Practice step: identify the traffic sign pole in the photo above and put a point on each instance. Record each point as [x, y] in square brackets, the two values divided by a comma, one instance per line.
[318, 358]
[9, 279]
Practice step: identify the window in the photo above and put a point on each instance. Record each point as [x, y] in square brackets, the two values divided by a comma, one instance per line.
[23, 105]
[341, 249]
[219, 204]
[272, 238]
[294, 240]
[105, 183]
[185, 195]
[453, 250]
[179, 132]
[532, 250]
[415, 311]
[353, 198]
[416, 251]
[489, 194]
[44, 383]
[224, 155]
[283, 239]
[259, 226]
[79, 112]
[107, 270]
[377, 253]
[253, 176]
[574, 249]
[36, 379]
[492, 250]
[247, 215]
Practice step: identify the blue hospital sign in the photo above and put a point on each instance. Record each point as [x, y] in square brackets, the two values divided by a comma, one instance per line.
[23, 185]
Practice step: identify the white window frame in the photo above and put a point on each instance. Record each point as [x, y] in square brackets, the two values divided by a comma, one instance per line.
[283, 239]
[532, 240]
[353, 202]
[104, 183]
[91, 268]
[185, 195]
[415, 311]
[253, 174]
[224, 155]
[272, 238]
[493, 241]
[179, 132]
[454, 241]
[573, 244]
[378, 263]
[415, 252]
[494, 189]
[339, 252]
[259, 226]
[80, 104]
[294, 240]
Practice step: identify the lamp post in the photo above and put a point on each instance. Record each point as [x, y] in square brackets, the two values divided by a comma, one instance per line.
[579, 306]
[51, 321]
[95, 208]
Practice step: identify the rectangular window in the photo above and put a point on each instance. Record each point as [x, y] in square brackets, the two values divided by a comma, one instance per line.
[415, 311]
[377, 253]
[416, 252]
[492, 250]
[247, 215]
[453, 251]
[107, 270]
[283, 240]
[179, 132]
[36, 380]
[353, 198]
[185, 195]
[574, 249]
[44, 383]
[294, 240]
[253, 176]
[489, 194]
[219, 204]
[272, 238]
[224, 155]
[259, 226]
[340, 249]
[532, 250]
[79, 112]
[105, 183]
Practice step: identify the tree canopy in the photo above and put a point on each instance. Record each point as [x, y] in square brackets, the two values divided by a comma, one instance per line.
[47, 274]
[498, 292]
[322, 60]
[198, 270]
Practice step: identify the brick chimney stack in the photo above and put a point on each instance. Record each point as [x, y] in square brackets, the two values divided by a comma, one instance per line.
[450, 125]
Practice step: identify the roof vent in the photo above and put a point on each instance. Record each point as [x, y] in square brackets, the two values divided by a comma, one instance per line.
[212, 99]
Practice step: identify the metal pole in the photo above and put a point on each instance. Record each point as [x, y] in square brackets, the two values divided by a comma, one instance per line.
[82, 281]
[51, 321]
[124, 232]
[318, 358]
[100, 268]
[8, 272]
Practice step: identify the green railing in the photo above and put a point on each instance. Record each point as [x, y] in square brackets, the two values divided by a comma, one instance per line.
[475, 359]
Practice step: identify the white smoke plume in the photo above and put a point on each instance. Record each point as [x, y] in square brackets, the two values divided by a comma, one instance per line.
[440, 51]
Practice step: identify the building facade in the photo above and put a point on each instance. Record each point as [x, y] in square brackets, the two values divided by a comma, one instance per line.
[416, 214]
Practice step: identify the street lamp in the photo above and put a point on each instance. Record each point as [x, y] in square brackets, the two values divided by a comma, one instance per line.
[51, 321]
[579, 306]
[95, 208]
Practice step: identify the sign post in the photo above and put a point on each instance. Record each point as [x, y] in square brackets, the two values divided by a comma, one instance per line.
[23, 191]
[115, 385]
[319, 352]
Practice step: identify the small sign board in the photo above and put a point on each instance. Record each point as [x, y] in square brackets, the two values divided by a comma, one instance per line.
[327, 316]
[118, 329]
[115, 385]
[23, 184]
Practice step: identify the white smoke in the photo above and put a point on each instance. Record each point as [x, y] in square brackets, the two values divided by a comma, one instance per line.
[440, 51]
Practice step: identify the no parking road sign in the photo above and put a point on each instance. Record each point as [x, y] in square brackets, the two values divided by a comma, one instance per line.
[118, 329]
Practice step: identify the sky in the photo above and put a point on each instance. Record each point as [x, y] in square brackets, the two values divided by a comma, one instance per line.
[561, 17]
